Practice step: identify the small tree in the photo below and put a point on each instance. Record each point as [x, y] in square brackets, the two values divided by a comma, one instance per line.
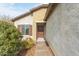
[10, 43]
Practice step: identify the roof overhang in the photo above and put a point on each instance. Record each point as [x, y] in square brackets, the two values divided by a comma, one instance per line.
[51, 8]
[30, 12]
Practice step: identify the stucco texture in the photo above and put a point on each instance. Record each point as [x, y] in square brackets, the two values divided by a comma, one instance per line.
[62, 30]
[25, 20]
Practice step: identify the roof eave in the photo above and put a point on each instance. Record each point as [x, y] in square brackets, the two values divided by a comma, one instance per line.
[21, 16]
[31, 11]
[50, 9]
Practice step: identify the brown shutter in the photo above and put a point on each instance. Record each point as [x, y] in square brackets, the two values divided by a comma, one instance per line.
[20, 28]
[30, 30]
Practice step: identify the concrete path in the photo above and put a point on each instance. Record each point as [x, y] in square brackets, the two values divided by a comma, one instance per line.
[41, 49]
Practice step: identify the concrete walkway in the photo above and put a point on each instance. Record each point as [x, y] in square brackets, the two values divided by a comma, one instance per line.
[41, 49]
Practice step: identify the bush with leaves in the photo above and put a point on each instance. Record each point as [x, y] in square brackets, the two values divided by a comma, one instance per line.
[10, 41]
[29, 42]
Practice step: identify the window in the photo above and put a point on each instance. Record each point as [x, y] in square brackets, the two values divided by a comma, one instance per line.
[25, 29]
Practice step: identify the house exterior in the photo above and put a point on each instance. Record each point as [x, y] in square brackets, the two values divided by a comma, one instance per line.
[62, 28]
[31, 23]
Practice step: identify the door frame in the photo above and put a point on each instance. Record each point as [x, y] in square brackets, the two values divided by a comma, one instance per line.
[37, 28]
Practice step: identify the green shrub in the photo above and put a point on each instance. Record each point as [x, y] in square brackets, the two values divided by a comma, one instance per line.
[28, 43]
[10, 43]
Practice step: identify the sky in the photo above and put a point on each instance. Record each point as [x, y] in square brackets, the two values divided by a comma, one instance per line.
[15, 9]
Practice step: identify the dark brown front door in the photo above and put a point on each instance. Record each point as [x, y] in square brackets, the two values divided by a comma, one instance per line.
[40, 30]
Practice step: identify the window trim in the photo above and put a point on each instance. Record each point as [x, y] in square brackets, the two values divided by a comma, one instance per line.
[21, 26]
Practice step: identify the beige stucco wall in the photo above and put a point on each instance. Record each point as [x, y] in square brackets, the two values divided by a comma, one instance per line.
[62, 30]
[38, 16]
[25, 20]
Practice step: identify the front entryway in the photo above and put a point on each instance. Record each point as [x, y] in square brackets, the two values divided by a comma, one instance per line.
[40, 30]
